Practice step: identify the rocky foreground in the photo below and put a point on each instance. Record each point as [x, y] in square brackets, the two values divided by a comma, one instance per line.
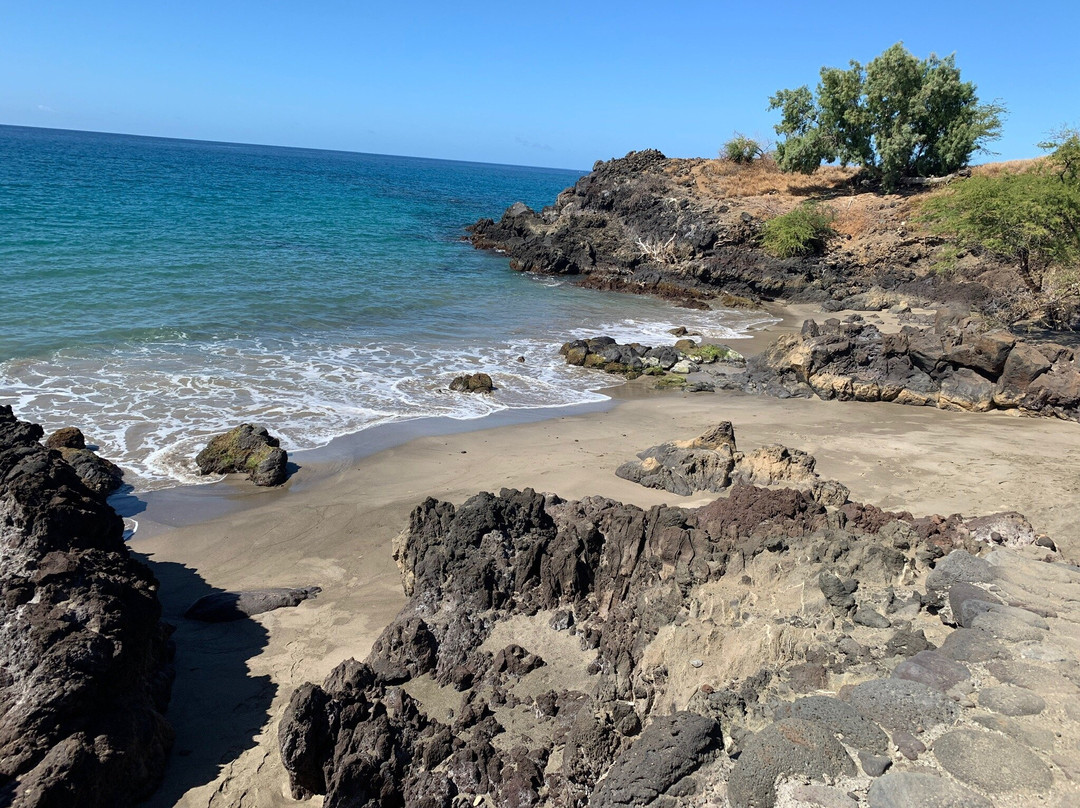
[85, 663]
[764, 649]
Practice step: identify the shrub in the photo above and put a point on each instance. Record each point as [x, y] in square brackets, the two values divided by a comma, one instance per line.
[1030, 220]
[742, 150]
[1065, 154]
[802, 231]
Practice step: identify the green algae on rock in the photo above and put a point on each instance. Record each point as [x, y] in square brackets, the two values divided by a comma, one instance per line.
[247, 449]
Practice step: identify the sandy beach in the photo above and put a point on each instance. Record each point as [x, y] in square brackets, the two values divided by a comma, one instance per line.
[378, 433]
[332, 525]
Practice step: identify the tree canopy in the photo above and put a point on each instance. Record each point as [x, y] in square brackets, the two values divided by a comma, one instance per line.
[898, 117]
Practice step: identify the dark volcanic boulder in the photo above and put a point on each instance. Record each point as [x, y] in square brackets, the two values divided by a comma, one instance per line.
[385, 748]
[68, 437]
[790, 747]
[1024, 364]
[98, 474]
[966, 390]
[472, 383]
[669, 749]
[406, 649]
[223, 607]
[84, 659]
[247, 450]
[984, 353]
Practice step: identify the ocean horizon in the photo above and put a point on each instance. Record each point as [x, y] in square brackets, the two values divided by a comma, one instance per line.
[285, 147]
[160, 290]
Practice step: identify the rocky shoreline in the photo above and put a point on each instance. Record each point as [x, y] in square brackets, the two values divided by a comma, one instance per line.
[85, 662]
[957, 363]
[916, 650]
[781, 645]
[648, 224]
[778, 645]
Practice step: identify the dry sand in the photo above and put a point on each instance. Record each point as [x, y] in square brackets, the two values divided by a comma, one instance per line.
[332, 525]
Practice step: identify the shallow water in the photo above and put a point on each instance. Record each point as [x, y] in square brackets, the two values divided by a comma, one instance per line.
[158, 291]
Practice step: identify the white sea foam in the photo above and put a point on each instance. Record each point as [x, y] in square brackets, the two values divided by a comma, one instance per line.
[150, 407]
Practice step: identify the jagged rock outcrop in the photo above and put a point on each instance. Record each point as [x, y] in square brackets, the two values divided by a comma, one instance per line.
[98, 474]
[85, 669]
[630, 225]
[712, 462]
[957, 364]
[247, 449]
[510, 587]
[648, 224]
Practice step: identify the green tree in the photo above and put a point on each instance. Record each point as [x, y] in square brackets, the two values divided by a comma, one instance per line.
[1064, 146]
[1031, 219]
[898, 116]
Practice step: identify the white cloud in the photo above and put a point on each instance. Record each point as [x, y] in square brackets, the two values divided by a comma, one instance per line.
[528, 143]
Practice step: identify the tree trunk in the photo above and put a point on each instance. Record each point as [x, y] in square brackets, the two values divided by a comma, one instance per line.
[1027, 276]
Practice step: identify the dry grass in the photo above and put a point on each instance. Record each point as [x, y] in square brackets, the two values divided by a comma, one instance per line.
[854, 217]
[1006, 167]
[870, 214]
[868, 221]
[725, 179]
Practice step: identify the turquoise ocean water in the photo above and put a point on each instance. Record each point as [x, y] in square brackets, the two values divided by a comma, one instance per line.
[157, 291]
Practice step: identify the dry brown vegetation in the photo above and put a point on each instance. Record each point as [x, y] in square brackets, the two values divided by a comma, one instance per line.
[859, 215]
[761, 189]
[764, 191]
[725, 179]
[871, 229]
[1006, 167]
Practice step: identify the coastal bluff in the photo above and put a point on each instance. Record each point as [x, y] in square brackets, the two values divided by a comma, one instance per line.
[689, 230]
[85, 661]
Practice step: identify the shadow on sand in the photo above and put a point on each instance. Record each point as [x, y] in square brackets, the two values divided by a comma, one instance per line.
[217, 707]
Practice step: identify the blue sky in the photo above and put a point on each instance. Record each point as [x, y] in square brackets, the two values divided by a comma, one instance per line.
[544, 83]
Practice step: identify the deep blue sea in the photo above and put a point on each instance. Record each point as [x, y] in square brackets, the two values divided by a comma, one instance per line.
[157, 291]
